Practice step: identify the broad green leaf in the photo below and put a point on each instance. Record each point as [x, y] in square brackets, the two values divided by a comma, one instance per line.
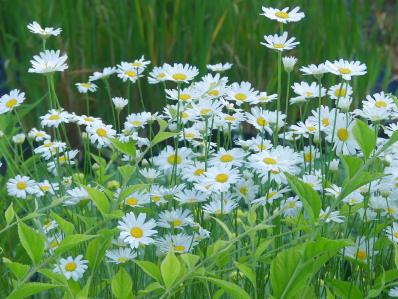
[220, 251]
[378, 285]
[232, 289]
[99, 198]
[161, 136]
[151, 269]
[162, 124]
[71, 241]
[358, 181]
[152, 287]
[351, 165]
[32, 241]
[126, 171]
[127, 148]
[344, 289]
[18, 269]
[309, 197]
[224, 227]
[66, 226]
[122, 284]
[9, 214]
[29, 289]
[249, 273]
[170, 269]
[264, 244]
[55, 277]
[365, 137]
[190, 260]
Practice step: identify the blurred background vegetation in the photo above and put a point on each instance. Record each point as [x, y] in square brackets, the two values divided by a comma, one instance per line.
[99, 33]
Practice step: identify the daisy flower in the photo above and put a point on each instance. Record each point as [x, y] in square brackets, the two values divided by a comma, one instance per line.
[261, 119]
[393, 292]
[218, 178]
[288, 63]
[157, 75]
[241, 93]
[392, 232]
[38, 135]
[315, 70]
[193, 171]
[46, 187]
[361, 250]
[233, 157]
[106, 72]
[12, 100]
[54, 118]
[180, 73]
[137, 199]
[168, 158]
[120, 255]
[150, 173]
[49, 226]
[86, 87]
[291, 206]
[283, 15]
[75, 196]
[71, 267]
[49, 148]
[206, 108]
[100, 134]
[21, 186]
[49, 61]
[175, 218]
[340, 91]
[119, 103]
[190, 196]
[180, 243]
[52, 242]
[343, 139]
[184, 95]
[263, 97]
[279, 42]
[19, 138]
[135, 231]
[85, 120]
[220, 206]
[127, 71]
[46, 32]
[346, 69]
[305, 91]
[219, 67]
[328, 216]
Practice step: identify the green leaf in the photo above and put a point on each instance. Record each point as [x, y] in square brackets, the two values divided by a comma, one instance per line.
[190, 260]
[122, 284]
[162, 124]
[224, 227]
[344, 289]
[309, 197]
[96, 248]
[161, 136]
[249, 273]
[32, 241]
[126, 171]
[378, 285]
[55, 277]
[365, 137]
[29, 289]
[358, 181]
[232, 289]
[99, 198]
[351, 165]
[9, 214]
[170, 269]
[127, 148]
[18, 269]
[71, 241]
[66, 226]
[151, 269]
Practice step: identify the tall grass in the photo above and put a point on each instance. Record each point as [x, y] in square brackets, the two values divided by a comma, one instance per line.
[106, 32]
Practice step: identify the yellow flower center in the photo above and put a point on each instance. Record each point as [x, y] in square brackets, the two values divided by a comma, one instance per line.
[44, 188]
[261, 121]
[132, 201]
[21, 185]
[86, 85]
[136, 232]
[161, 75]
[199, 172]
[292, 204]
[343, 134]
[48, 144]
[121, 260]
[243, 191]
[229, 118]
[185, 97]
[54, 117]
[340, 92]
[184, 115]
[189, 135]
[309, 94]
[380, 104]
[226, 158]
[136, 123]
[240, 97]
[177, 222]
[270, 161]
[136, 64]
[325, 122]
[213, 92]
[172, 159]
[282, 14]
[70, 267]
[88, 119]
[395, 235]
[101, 132]
[390, 211]
[205, 111]
[311, 129]
[361, 255]
[155, 198]
[62, 159]
[222, 178]
[308, 157]
[345, 71]
[271, 194]
[179, 247]
[54, 244]
[279, 46]
[130, 74]
[11, 103]
[179, 77]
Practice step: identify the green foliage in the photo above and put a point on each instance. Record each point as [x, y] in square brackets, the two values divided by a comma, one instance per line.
[32, 241]
[170, 269]
[365, 137]
[122, 284]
